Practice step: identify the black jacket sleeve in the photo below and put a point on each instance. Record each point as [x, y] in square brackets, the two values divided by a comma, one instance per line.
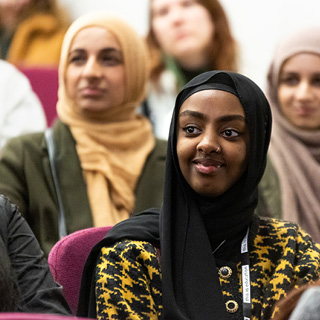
[37, 290]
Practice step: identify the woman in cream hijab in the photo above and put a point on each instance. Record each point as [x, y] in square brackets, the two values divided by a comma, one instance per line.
[107, 161]
[293, 88]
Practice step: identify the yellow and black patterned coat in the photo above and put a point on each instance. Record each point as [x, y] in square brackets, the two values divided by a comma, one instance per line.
[282, 256]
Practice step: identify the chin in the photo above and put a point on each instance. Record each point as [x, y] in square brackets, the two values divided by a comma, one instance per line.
[210, 193]
[93, 108]
[308, 126]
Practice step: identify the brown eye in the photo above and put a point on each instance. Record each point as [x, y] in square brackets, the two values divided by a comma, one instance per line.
[191, 130]
[112, 60]
[77, 57]
[230, 133]
[160, 12]
[111, 57]
[290, 80]
[316, 81]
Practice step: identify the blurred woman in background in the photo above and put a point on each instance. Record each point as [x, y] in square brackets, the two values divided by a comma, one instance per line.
[31, 32]
[291, 185]
[186, 37]
[105, 161]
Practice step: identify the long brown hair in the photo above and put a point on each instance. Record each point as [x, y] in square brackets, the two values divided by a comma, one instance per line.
[224, 56]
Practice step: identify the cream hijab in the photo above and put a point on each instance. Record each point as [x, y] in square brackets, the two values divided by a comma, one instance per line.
[112, 145]
[295, 153]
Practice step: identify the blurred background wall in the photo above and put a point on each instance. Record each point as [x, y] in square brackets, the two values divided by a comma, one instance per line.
[256, 24]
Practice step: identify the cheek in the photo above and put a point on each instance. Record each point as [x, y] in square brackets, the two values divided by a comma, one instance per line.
[284, 95]
[317, 94]
[118, 80]
[185, 150]
[239, 157]
[160, 30]
[202, 19]
[121, 80]
[70, 82]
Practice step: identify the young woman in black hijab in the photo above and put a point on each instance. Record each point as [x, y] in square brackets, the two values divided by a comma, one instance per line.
[204, 254]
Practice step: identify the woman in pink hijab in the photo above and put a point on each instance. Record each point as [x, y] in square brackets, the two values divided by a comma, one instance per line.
[293, 89]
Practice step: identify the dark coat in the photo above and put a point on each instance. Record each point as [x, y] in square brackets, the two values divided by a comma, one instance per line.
[37, 292]
[26, 178]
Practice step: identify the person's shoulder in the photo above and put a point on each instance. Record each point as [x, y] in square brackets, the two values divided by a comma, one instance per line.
[26, 140]
[277, 223]
[47, 22]
[131, 252]
[281, 228]
[12, 77]
[7, 212]
[160, 146]
[133, 246]
[285, 231]
[7, 67]
[159, 151]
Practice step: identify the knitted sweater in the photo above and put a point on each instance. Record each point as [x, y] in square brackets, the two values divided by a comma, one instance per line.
[282, 256]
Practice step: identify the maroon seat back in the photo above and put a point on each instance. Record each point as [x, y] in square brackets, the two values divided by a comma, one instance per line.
[67, 258]
[44, 82]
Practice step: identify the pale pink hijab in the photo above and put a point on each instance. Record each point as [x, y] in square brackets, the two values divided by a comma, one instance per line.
[112, 145]
[295, 153]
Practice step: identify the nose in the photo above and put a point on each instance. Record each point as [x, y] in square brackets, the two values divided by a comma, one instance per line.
[304, 91]
[208, 144]
[176, 15]
[92, 68]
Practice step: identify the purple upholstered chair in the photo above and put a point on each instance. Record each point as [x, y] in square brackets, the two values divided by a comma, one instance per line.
[44, 82]
[67, 258]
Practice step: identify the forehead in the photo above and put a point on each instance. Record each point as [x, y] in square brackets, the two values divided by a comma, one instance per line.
[213, 103]
[160, 3]
[94, 38]
[302, 62]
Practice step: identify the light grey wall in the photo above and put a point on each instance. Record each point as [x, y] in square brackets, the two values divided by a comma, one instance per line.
[256, 24]
[259, 24]
[134, 11]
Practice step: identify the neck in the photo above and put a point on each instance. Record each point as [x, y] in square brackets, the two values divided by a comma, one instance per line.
[193, 62]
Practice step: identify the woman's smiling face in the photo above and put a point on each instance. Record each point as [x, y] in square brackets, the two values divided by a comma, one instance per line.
[299, 90]
[212, 141]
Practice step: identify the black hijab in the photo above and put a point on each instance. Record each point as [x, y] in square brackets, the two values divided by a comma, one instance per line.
[189, 224]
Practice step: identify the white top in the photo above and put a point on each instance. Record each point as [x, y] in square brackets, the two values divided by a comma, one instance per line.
[161, 104]
[20, 109]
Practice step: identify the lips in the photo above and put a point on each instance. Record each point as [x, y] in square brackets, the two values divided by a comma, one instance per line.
[207, 165]
[91, 91]
[304, 111]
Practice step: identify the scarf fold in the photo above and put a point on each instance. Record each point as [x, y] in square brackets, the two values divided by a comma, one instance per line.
[295, 153]
[113, 144]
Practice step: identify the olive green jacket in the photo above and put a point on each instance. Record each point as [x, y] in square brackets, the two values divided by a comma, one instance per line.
[269, 204]
[26, 178]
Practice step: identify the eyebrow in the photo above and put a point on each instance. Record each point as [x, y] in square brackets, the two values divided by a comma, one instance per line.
[104, 50]
[292, 72]
[201, 116]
